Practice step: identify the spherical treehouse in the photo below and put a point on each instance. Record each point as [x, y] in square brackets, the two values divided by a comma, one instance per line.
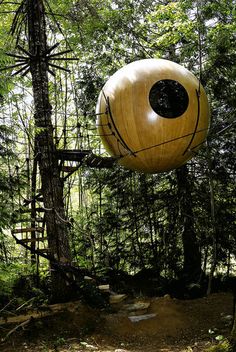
[153, 115]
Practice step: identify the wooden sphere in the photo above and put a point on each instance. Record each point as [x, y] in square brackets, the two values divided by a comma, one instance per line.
[153, 115]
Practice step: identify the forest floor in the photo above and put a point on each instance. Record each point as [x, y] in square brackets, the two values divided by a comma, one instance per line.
[171, 325]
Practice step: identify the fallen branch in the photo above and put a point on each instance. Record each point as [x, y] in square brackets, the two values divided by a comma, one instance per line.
[25, 304]
[7, 305]
[22, 325]
[40, 312]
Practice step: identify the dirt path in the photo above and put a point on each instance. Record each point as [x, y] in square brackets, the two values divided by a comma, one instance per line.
[169, 325]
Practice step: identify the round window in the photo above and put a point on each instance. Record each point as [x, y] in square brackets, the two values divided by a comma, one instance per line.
[168, 98]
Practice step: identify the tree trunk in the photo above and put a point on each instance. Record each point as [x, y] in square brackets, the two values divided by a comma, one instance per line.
[52, 186]
[192, 256]
[143, 181]
[213, 222]
[233, 331]
[33, 211]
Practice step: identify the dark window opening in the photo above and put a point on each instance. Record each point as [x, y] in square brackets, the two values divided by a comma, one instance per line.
[168, 98]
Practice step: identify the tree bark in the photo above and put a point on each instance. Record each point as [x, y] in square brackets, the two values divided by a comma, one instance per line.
[192, 256]
[233, 331]
[213, 222]
[52, 185]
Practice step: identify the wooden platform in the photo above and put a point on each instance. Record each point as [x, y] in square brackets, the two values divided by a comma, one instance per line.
[28, 210]
[100, 162]
[85, 157]
[32, 240]
[28, 229]
[27, 220]
[72, 154]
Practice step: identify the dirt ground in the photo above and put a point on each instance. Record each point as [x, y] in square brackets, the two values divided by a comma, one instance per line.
[169, 325]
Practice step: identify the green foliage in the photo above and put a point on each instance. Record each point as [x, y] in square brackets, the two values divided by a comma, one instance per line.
[8, 275]
[59, 342]
[171, 25]
[19, 283]
[223, 346]
[92, 296]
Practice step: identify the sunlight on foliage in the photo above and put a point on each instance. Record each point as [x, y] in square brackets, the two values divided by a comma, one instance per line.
[223, 346]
